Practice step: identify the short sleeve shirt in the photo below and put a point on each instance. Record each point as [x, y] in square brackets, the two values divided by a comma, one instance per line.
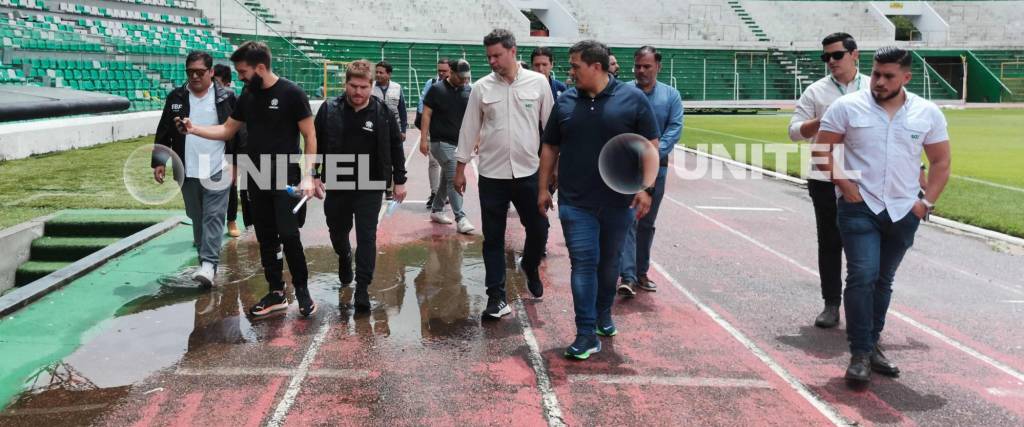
[581, 126]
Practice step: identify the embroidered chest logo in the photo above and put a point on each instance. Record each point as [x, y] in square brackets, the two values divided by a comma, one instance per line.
[915, 136]
[368, 126]
[273, 104]
[175, 107]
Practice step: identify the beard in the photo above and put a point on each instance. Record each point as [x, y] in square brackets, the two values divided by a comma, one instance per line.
[255, 83]
[880, 98]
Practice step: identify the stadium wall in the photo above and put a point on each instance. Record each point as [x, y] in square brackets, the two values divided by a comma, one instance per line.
[24, 139]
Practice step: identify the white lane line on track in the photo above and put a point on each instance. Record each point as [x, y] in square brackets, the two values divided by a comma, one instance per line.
[924, 328]
[675, 381]
[823, 407]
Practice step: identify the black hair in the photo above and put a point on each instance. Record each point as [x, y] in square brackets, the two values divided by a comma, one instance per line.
[592, 51]
[543, 51]
[198, 55]
[222, 72]
[647, 50]
[444, 60]
[500, 35]
[893, 55]
[253, 53]
[848, 42]
[387, 66]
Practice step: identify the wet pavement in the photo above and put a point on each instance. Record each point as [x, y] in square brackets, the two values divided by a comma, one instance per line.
[725, 341]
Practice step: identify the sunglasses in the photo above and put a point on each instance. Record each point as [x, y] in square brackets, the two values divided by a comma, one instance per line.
[833, 55]
[196, 72]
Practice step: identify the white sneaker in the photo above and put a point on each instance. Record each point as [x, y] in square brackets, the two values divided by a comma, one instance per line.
[205, 274]
[464, 226]
[440, 218]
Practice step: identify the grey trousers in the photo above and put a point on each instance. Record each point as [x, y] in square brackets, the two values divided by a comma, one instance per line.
[444, 153]
[206, 208]
[433, 173]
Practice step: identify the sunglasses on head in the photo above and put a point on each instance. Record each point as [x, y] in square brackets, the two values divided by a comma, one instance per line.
[833, 55]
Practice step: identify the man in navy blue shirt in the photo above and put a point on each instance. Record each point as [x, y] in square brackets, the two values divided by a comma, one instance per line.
[542, 60]
[594, 217]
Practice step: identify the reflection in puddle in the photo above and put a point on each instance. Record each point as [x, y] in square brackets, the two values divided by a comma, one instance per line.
[428, 291]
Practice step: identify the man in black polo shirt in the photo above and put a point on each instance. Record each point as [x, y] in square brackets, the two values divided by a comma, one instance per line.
[443, 108]
[594, 217]
[358, 128]
[274, 111]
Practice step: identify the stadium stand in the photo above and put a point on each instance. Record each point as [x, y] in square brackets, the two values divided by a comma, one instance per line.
[713, 49]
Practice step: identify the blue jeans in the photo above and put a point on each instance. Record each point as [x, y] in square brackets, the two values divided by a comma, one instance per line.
[636, 251]
[594, 237]
[874, 247]
[444, 154]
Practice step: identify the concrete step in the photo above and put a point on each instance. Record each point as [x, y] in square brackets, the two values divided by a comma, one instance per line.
[68, 249]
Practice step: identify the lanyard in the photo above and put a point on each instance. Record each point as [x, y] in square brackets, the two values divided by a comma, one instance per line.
[842, 89]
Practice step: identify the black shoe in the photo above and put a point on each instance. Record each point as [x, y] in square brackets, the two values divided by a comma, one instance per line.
[362, 298]
[829, 318]
[860, 368]
[646, 284]
[882, 365]
[496, 308]
[345, 269]
[270, 303]
[306, 305]
[626, 288]
[533, 281]
[430, 200]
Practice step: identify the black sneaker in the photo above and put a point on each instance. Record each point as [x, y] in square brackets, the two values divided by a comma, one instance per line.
[306, 305]
[646, 284]
[533, 281]
[496, 308]
[270, 303]
[430, 200]
[626, 288]
[583, 347]
[345, 269]
[362, 298]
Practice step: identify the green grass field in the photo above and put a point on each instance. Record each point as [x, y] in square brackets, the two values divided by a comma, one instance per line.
[987, 187]
[83, 178]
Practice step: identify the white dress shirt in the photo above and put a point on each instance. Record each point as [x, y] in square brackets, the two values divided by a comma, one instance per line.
[815, 101]
[886, 153]
[203, 157]
[507, 120]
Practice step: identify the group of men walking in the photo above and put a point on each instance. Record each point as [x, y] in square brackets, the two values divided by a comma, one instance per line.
[533, 136]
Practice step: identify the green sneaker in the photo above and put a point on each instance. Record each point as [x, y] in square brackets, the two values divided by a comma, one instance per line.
[583, 347]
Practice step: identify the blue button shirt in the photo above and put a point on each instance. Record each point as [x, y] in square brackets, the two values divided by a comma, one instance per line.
[668, 108]
[557, 88]
[580, 126]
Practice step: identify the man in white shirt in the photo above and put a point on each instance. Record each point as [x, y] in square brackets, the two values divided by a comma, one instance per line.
[204, 191]
[870, 144]
[839, 51]
[507, 111]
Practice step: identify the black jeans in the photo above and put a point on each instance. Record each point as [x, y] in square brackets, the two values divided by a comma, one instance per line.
[233, 203]
[495, 195]
[340, 208]
[277, 226]
[830, 244]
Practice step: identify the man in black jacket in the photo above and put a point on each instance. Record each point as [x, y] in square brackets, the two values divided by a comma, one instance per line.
[357, 128]
[202, 161]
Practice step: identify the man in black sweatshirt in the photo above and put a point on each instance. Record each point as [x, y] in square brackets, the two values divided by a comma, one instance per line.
[358, 129]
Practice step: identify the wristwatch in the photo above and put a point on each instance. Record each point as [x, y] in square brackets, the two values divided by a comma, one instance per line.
[930, 206]
[649, 191]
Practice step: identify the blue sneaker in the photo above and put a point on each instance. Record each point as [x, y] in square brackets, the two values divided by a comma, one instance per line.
[607, 330]
[583, 347]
